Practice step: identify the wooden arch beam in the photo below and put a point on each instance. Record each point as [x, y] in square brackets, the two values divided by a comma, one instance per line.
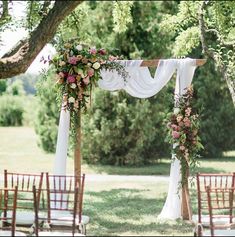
[154, 62]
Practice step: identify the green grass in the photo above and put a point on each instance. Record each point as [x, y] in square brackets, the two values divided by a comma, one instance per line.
[115, 207]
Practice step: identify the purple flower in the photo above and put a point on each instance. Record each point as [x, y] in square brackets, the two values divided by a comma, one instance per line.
[71, 79]
[73, 60]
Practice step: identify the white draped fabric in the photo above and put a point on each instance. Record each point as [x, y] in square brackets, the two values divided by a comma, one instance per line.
[140, 84]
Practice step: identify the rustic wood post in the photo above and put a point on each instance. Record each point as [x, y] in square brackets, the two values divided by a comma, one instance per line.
[77, 150]
[186, 208]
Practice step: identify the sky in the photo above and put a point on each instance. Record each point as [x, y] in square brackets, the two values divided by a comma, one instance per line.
[10, 38]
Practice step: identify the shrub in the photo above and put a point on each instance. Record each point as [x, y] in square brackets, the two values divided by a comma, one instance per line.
[122, 130]
[47, 116]
[11, 110]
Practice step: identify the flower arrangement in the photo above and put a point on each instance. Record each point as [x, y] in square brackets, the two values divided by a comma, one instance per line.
[78, 68]
[183, 126]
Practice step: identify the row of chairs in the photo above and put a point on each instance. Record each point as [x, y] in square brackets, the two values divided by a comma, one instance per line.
[44, 203]
[215, 195]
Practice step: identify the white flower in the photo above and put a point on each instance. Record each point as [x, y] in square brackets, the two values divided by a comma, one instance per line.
[71, 100]
[79, 47]
[96, 65]
[73, 85]
[176, 110]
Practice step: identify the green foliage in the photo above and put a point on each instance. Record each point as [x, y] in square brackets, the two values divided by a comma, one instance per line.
[3, 86]
[122, 130]
[46, 124]
[11, 110]
[121, 15]
[217, 122]
[15, 88]
[190, 39]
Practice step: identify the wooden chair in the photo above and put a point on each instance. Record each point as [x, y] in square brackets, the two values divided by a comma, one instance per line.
[8, 202]
[213, 181]
[64, 206]
[220, 205]
[25, 208]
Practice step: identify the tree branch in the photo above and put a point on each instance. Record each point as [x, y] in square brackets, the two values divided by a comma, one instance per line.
[19, 59]
[202, 29]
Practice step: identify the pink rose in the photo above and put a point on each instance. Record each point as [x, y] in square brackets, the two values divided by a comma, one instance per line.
[91, 72]
[175, 134]
[93, 51]
[187, 122]
[86, 80]
[102, 51]
[61, 75]
[71, 79]
[175, 127]
[73, 60]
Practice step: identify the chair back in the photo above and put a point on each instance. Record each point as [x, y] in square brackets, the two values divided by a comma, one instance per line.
[25, 183]
[220, 205]
[64, 194]
[8, 202]
[213, 181]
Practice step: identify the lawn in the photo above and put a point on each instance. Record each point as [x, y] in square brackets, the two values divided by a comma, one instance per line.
[116, 205]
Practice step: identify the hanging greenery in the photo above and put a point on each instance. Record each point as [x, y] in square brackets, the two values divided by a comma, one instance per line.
[78, 68]
[183, 127]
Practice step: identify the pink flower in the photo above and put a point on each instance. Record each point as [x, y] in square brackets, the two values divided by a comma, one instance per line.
[90, 72]
[73, 60]
[112, 58]
[102, 51]
[61, 75]
[92, 51]
[71, 79]
[181, 124]
[175, 134]
[188, 111]
[86, 80]
[175, 127]
[187, 122]
[182, 148]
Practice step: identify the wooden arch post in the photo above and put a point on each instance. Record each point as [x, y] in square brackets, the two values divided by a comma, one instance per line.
[77, 150]
[186, 209]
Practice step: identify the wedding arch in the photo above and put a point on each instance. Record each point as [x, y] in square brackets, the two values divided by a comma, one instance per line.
[140, 84]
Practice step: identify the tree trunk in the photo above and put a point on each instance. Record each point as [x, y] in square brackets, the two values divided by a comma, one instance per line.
[19, 59]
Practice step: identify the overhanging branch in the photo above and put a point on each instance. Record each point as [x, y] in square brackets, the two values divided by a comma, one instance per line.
[18, 60]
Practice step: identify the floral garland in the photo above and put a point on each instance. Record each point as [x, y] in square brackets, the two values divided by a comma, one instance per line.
[78, 68]
[183, 126]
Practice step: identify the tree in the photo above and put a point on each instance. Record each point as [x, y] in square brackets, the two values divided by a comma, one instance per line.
[19, 58]
[210, 26]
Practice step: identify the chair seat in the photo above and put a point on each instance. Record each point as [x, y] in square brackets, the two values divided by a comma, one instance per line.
[65, 218]
[8, 233]
[23, 217]
[57, 233]
[220, 233]
[205, 220]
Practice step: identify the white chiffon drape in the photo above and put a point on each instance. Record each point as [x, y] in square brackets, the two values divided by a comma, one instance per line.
[139, 84]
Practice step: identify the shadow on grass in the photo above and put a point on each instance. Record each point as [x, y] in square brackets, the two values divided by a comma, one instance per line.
[121, 211]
